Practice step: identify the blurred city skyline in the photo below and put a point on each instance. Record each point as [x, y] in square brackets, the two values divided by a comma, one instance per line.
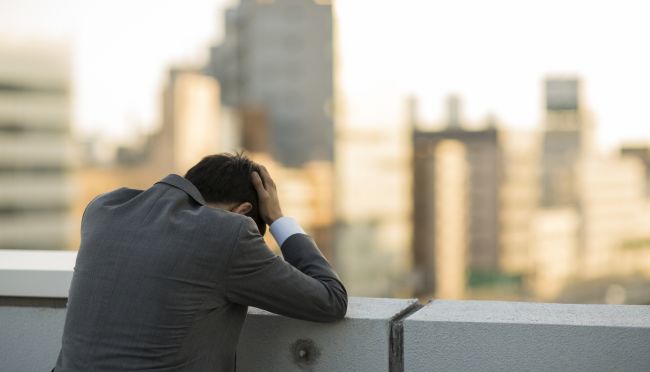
[429, 150]
[493, 54]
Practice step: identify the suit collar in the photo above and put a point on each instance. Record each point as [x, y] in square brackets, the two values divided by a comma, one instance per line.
[185, 185]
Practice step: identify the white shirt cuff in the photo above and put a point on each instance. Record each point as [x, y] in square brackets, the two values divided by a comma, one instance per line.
[283, 228]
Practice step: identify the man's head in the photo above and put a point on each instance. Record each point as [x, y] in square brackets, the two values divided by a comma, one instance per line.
[224, 180]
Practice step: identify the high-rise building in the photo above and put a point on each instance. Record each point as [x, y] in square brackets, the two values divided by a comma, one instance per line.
[484, 169]
[35, 148]
[276, 58]
[555, 217]
[440, 226]
[606, 191]
[568, 136]
[501, 196]
[608, 194]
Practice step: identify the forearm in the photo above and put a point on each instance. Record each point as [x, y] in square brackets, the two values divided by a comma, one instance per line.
[304, 253]
[329, 297]
[299, 250]
[303, 285]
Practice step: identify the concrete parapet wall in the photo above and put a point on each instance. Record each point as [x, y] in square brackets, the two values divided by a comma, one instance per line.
[377, 334]
[30, 337]
[360, 342]
[512, 336]
[442, 336]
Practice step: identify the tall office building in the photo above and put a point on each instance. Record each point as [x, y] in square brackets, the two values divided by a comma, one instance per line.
[608, 193]
[484, 169]
[568, 136]
[35, 148]
[276, 58]
[547, 213]
[440, 219]
[501, 196]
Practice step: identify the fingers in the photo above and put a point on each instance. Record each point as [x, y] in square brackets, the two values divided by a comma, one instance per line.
[266, 177]
[257, 182]
[269, 206]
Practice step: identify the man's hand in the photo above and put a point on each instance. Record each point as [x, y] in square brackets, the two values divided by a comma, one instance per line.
[267, 195]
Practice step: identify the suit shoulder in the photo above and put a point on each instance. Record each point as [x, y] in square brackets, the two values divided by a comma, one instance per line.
[121, 194]
[116, 196]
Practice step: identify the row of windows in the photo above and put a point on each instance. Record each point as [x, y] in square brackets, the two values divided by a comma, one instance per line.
[12, 128]
[16, 211]
[9, 170]
[20, 88]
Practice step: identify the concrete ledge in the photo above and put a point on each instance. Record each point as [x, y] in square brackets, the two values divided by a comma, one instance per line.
[377, 334]
[444, 336]
[360, 342]
[511, 336]
[30, 337]
[45, 274]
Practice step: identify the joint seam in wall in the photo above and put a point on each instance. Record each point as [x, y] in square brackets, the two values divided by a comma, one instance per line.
[396, 337]
[48, 302]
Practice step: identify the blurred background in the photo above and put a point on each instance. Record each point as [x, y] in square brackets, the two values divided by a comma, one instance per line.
[460, 149]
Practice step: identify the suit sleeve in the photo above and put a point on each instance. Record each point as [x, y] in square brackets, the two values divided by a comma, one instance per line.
[302, 286]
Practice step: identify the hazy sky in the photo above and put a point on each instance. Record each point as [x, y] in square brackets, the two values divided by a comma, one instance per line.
[493, 53]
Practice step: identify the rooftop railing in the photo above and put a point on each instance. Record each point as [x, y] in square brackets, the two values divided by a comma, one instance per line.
[378, 334]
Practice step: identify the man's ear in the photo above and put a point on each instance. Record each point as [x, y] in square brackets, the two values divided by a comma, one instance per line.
[242, 208]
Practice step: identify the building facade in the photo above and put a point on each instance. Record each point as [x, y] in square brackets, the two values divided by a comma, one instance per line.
[501, 196]
[276, 60]
[642, 153]
[372, 230]
[568, 137]
[35, 148]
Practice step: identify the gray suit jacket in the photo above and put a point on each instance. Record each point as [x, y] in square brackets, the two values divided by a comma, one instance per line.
[162, 283]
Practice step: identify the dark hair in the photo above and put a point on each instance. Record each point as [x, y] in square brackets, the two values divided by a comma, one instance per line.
[226, 178]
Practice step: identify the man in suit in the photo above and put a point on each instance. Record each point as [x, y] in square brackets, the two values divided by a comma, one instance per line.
[164, 276]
